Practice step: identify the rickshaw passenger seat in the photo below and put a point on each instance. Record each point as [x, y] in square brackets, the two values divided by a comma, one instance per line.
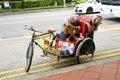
[84, 28]
[88, 19]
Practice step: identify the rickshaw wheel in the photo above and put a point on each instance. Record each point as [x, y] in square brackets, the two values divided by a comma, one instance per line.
[53, 43]
[85, 47]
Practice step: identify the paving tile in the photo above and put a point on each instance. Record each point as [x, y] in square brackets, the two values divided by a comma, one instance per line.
[62, 74]
[83, 69]
[118, 71]
[44, 78]
[79, 72]
[114, 62]
[100, 65]
[105, 76]
[72, 78]
[56, 78]
[74, 73]
[95, 68]
[109, 70]
[119, 65]
[93, 75]
[87, 79]
[118, 77]
[111, 65]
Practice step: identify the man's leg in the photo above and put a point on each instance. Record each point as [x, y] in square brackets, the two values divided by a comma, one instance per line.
[63, 35]
[68, 30]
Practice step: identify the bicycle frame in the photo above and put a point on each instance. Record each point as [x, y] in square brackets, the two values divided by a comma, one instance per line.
[47, 39]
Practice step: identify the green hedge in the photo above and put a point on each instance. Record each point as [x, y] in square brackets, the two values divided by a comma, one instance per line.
[37, 3]
[29, 4]
[33, 3]
[1, 3]
[80, 1]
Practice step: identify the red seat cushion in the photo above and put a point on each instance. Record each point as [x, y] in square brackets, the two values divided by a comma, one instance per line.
[84, 28]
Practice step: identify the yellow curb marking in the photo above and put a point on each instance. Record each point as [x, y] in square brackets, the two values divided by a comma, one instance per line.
[104, 25]
[110, 55]
[34, 71]
[103, 52]
[1, 39]
[112, 29]
[29, 36]
[20, 69]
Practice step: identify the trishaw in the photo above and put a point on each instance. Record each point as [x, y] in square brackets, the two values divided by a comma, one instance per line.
[53, 45]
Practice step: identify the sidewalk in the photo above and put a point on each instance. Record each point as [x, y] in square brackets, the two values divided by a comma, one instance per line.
[106, 71]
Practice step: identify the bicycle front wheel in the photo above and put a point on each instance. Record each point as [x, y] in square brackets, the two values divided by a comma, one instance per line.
[29, 56]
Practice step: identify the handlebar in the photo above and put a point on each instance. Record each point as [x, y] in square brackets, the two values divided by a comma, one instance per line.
[32, 29]
[50, 31]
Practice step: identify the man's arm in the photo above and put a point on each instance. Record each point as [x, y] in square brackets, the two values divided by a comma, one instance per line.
[69, 25]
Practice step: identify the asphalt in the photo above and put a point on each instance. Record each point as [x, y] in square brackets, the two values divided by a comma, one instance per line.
[104, 69]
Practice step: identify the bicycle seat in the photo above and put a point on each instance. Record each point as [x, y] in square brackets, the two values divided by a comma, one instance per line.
[51, 30]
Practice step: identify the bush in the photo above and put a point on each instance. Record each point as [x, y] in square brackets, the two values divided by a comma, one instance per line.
[59, 2]
[80, 1]
[2, 4]
[38, 3]
[15, 4]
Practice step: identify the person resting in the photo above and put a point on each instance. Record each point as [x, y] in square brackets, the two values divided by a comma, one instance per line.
[71, 29]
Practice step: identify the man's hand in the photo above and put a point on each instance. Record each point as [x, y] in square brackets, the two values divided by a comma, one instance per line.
[75, 28]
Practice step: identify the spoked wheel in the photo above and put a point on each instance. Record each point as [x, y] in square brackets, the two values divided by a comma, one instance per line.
[53, 43]
[86, 47]
[29, 56]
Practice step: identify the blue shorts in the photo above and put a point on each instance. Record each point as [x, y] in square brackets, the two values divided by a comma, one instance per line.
[63, 35]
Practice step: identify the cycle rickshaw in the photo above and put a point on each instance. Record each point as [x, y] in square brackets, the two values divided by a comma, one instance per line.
[55, 46]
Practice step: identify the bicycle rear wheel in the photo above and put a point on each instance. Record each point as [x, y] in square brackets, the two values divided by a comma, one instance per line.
[29, 56]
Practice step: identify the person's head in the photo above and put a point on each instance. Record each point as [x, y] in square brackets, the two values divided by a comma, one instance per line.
[74, 20]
